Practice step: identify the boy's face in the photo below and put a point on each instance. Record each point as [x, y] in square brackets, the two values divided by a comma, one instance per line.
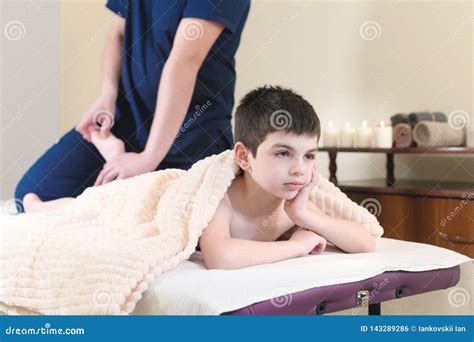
[284, 158]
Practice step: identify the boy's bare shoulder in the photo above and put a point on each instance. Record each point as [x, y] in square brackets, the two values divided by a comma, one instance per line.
[226, 202]
[219, 226]
[224, 209]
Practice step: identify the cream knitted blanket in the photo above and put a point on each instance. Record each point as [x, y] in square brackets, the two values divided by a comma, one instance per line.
[98, 255]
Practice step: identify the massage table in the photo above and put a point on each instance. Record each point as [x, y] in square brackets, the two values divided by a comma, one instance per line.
[311, 285]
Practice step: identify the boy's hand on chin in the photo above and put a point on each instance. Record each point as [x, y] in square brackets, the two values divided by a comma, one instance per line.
[297, 208]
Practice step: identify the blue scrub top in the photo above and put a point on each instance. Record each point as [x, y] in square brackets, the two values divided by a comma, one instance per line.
[150, 28]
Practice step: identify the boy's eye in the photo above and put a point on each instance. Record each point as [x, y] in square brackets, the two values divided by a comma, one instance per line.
[285, 154]
[282, 154]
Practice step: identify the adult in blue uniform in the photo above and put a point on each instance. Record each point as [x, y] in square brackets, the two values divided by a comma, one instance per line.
[168, 83]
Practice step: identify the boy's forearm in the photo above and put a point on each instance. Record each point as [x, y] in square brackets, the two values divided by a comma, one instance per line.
[349, 236]
[238, 253]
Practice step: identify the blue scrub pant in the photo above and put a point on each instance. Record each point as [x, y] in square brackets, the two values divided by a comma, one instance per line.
[70, 166]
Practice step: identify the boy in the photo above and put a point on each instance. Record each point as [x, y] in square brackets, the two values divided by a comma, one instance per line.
[276, 134]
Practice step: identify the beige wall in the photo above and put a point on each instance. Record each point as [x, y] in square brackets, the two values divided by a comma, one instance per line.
[422, 60]
[84, 27]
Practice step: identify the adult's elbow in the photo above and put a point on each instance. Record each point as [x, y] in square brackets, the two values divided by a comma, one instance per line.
[189, 62]
[118, 29]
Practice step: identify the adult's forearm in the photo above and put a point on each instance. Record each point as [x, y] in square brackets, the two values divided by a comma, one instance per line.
[238, 253]
[174, 97]
[111, 63]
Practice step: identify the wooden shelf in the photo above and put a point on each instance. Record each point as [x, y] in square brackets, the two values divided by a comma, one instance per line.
[390, 182]
[419, 150]
[428, 188]
[418, 210]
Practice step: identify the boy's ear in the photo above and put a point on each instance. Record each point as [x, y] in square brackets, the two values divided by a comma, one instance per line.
[242, 155]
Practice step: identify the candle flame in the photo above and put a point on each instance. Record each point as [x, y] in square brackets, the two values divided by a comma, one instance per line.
[364, 123]
[347, 125]
[330, 124]
[382, 123]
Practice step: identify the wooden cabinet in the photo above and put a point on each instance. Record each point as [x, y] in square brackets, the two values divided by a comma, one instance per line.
[424, 219]
[437, 213]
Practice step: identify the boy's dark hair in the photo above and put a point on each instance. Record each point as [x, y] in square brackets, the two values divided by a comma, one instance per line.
[272, 108]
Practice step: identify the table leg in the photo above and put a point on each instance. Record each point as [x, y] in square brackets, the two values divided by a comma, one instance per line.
[332, 167]
[374, 309]
[390, 180]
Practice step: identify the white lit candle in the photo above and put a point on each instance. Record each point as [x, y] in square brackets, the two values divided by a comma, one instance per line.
[364, 136]
[331, 135]
[383, 136]
[347, 136]
[470, 135]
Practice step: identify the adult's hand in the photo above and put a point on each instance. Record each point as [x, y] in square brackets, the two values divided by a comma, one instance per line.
[125, 165]
[101, 115]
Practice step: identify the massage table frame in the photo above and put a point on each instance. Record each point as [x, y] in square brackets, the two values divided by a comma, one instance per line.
[358, 295]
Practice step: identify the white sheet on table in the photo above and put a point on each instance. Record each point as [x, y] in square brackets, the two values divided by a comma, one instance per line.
[191, 289]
